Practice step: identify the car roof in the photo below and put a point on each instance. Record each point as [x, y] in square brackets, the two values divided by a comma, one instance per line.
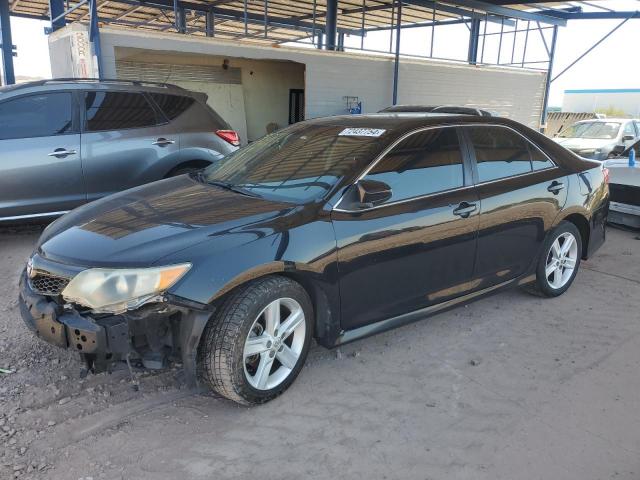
[399, 123]
[92, 84]
[450, 109]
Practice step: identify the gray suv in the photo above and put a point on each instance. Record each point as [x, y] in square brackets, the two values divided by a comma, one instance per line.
[66, 142]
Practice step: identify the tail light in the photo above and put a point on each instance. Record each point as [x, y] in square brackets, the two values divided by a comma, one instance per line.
[605, 172]
[230, 136]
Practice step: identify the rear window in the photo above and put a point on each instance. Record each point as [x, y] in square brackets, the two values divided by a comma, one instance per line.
[117, 111]
[172, 105]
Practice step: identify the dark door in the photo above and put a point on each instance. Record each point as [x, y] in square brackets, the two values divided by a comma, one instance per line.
[521, 192]
[418, 247]
[296, 105]
[124, 142]
[40, 170]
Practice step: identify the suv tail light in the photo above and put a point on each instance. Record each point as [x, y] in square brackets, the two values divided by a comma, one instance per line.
[605, 172]
[230, 136]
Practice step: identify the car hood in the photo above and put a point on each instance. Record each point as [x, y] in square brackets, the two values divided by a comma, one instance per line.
[138, 227]
[584, 143]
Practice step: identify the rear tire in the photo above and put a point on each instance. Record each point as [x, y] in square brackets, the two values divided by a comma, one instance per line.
[256, 345]
[559, 261]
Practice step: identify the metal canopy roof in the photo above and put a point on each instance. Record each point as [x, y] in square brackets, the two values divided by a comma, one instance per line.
[276, 21]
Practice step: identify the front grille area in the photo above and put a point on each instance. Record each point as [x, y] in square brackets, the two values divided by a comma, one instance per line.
[47, 284]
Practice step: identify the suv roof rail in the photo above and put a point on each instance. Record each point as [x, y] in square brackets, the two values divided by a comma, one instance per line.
[452, 109]
[138, 83]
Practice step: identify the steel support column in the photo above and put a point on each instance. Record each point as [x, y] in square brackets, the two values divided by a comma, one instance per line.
[396, 64]
[210, 21]
[331, 29]
[474, 41]
[94, 35]
[56, 11]
[180, 17]
[547, 86]
[9, 77]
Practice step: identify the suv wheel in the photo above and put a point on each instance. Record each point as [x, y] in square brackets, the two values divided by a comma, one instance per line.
[256, 345]
[559, 262]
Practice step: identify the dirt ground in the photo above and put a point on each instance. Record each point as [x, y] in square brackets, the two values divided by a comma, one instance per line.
[510, 387]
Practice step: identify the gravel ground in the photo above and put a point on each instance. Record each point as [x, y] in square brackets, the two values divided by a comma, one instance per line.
[510, 387]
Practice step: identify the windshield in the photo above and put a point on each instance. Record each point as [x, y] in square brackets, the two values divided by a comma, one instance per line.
[602, 130]
[297, 164]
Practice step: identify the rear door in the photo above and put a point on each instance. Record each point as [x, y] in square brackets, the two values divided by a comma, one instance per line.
[40, 169]
[126, 142]
[521, 192]
[417, 248]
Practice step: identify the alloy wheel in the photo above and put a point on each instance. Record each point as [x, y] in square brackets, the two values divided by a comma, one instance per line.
[561, 260]
[274, 344]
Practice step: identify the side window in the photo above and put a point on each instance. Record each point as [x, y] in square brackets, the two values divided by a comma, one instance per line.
[172, 105]
[539, 161]
[36, 116]
[423, 163]
[117, 111]
[629, 130]
[500, 153]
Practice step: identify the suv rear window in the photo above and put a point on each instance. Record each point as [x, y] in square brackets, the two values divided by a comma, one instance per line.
[172, 105]
[117, 111]
[36, 116]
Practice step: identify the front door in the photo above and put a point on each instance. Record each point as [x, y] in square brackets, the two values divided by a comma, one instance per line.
[418, 247]
[521, 193]
[40, 170]
[124, 142]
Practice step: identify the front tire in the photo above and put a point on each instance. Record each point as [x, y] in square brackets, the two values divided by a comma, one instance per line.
[256, 345]
[559, 261]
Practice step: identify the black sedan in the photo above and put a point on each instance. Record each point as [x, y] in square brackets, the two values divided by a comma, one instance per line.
[332, 229]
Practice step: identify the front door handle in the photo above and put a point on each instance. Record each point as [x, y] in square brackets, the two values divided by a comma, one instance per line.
[61, 153]
[465, 209]
[555, 187]
[163, 142]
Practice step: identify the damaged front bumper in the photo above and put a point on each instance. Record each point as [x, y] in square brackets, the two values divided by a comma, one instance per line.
[152, 333]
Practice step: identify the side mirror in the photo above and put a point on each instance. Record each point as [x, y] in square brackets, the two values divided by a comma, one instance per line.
[628, 138]
[372, 192]
[617, 151]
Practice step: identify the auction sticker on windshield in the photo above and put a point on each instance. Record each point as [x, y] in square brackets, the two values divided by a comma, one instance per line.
[362, 132]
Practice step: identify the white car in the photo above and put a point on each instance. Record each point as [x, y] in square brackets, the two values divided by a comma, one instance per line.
[600, 139]
[624, 188]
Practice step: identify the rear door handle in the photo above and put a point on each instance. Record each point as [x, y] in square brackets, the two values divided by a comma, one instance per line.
[61, 153]
[465, 209]
[555, 187]
[163, 142]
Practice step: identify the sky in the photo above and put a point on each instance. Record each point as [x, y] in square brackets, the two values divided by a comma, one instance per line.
[613, 64]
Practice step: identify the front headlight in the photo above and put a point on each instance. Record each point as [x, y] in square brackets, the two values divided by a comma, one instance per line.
[117, 290]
